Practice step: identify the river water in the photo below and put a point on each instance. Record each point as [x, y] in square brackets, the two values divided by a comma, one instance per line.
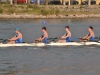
[67, 60]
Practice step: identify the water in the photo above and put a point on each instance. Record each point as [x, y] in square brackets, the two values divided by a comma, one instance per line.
[68, 60]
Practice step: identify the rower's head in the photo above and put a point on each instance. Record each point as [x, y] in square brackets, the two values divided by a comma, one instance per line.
[66, 28]
[17, 30]
[90, 28]
[43, 29]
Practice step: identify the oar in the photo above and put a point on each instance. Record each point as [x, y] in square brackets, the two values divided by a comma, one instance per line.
[83, 39]
[4, 40]
[98, 38]
[37, 41]
[53, 38]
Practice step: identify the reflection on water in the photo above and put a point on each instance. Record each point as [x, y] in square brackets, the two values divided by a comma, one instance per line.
[67, 60]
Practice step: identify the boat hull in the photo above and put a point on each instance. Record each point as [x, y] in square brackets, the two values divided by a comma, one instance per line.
[52, 44]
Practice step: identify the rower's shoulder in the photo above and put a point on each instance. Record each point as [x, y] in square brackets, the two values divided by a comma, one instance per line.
[46, 32]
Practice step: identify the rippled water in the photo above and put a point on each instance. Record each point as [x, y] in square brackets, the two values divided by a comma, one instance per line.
[68, 60]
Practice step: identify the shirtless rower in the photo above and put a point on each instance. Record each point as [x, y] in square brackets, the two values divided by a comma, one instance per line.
[44, 36]
[90, 36]
[17, 38]
[66, 37]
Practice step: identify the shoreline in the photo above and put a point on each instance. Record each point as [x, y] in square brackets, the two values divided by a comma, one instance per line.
[32, 16]
[25, 16]
[50, 11]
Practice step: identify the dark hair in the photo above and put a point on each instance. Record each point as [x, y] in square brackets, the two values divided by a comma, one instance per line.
[91, 27]
[44, 28]
[67, 27]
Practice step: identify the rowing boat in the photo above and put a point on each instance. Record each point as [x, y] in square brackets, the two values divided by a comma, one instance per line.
[52, 44]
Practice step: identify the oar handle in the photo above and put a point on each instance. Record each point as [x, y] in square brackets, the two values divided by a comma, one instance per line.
[2, 39]
[87, 39]
[37, 41]
[83, 39]
[53, 38]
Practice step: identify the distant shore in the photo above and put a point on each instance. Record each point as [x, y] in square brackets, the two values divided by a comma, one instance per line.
[50, 11]
[22, 16]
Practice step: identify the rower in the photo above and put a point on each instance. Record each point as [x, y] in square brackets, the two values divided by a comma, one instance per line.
[17, 38]
[66, 37]
[44, 36]
[90, 36]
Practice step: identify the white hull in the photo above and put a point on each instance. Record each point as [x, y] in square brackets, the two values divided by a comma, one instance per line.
[74, 44]
[52, 44]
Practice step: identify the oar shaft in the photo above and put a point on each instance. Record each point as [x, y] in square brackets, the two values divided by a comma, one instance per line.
[1, 39]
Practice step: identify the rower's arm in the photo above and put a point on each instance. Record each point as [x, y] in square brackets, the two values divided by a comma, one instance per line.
[18, 37]
[44, 37]
[86, 36]
[63, 36]
[13, 38]
[90, 36]
[39, 38]
[67, 35]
